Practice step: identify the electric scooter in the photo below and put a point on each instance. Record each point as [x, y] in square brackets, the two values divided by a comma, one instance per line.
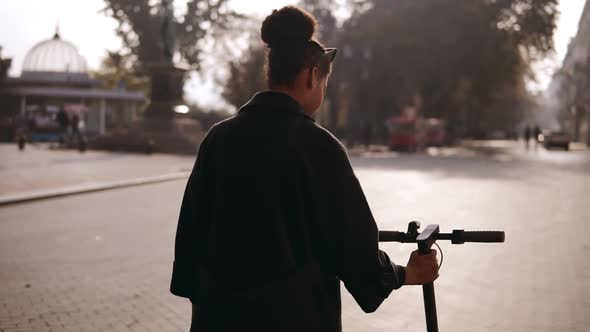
[425, 240]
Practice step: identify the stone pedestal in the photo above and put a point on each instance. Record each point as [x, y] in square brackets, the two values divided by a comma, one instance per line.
[167, 83]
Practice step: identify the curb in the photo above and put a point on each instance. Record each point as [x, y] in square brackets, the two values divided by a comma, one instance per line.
[25, 197]
[575, 146]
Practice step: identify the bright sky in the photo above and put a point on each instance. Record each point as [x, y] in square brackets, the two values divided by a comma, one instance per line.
[23, 23]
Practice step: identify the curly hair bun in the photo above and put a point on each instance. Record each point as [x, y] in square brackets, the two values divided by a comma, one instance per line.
[288, 25]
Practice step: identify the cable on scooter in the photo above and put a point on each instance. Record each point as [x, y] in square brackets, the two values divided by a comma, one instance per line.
[441, 255]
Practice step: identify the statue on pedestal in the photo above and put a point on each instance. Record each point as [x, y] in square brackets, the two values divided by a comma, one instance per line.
[162, 129]
[168, 29]
[167, 79]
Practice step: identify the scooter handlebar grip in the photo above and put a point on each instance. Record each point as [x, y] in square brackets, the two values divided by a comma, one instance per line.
[392, 236]
[483, 236]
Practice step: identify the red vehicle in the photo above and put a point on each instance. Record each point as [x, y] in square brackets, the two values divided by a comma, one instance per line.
[411, 133]
[403, 133]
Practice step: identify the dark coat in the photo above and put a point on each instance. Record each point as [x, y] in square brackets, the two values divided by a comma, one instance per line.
[273, 218]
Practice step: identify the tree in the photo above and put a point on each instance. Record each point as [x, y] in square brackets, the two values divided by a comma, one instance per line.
[464, 61]
[328, 34]
[323, 11]
[246, 75]
[118, 70]
[140, 28]
[452, 56]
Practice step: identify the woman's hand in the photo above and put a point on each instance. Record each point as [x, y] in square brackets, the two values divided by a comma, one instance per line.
[421, 269]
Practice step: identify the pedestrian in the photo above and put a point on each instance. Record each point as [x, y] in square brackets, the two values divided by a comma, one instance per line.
[76, 126]
[527, 136]
[63, 122]
[273, 216]
[21, 130]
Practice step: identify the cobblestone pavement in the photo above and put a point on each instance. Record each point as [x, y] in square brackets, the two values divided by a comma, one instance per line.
[40, 168]
[102, 261]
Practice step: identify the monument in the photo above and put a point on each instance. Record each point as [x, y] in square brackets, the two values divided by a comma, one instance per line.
[165, 127]
[167, 79]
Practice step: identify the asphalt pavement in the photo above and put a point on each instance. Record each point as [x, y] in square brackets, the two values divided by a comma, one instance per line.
[102, 261]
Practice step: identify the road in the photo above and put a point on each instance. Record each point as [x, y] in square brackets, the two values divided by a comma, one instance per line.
[102, 261]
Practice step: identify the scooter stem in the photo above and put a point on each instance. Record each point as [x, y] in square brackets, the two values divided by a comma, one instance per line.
[425, 241]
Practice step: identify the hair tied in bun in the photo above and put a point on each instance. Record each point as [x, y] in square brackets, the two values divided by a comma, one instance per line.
[288, 26]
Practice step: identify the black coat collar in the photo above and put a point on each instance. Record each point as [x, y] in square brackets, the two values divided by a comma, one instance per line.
[274, 100]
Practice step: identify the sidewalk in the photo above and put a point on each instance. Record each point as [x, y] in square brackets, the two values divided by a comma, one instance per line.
[382, 151]
[514, 147]
[40, 172]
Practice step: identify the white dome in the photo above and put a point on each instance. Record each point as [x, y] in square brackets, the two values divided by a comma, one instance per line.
[54, 55]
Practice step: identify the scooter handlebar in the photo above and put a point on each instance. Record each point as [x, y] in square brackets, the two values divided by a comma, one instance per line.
[458, 236]
[392, 236]
[482, 236]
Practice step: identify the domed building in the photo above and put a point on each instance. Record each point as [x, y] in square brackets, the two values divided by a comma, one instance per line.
[55, 76]
[55, 56]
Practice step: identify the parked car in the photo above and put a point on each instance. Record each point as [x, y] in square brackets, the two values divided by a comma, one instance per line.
[553, 139]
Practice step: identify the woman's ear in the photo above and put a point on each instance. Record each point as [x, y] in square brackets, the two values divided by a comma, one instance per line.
[309, 79]
[313, 78]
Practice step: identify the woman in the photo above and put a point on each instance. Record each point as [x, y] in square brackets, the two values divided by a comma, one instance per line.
[273, 217]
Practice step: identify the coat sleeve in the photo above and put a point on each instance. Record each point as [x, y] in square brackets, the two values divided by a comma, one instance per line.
[192, 221]
[347, 235]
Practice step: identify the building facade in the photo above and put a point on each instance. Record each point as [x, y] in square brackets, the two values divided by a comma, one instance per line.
[55, 77]
[570, 89]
